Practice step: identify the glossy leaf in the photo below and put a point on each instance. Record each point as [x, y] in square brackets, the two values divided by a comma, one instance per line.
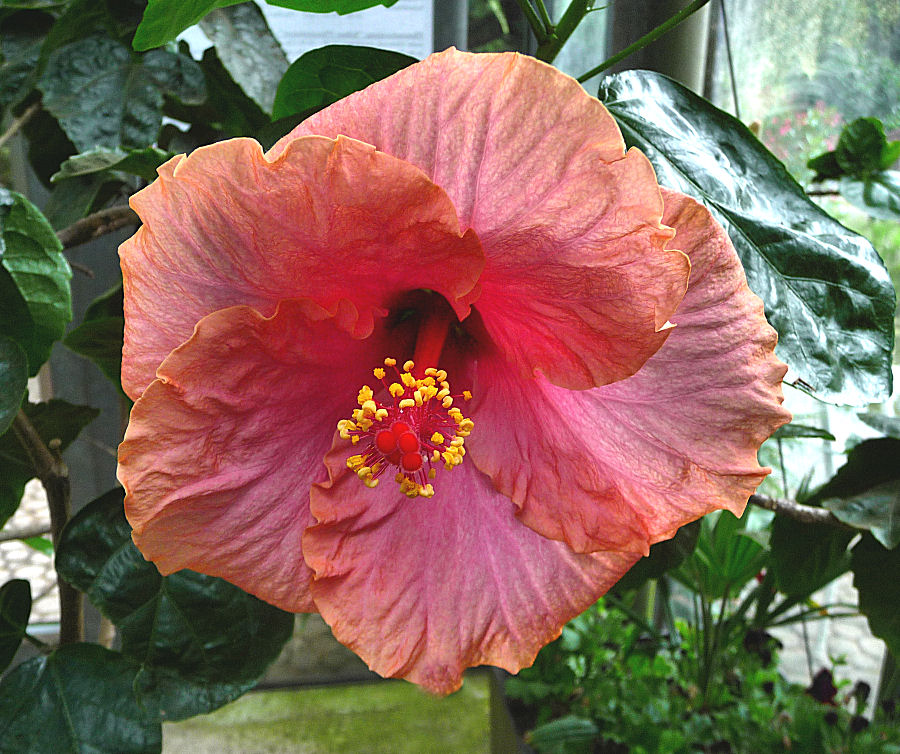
[805, 557]
[877, 509]
[327, 74]
[200, 641]
[99, 336]
[32, 255]
[140, 162]
[825, 288]
[876, 575]
[105, 96]
[248, 50]
[15, 609]
[166, 19]
[79, 700]
[15, 318]
[797, 431]
[13, 380]
[21, 37]
[877, 195]
[54, 419]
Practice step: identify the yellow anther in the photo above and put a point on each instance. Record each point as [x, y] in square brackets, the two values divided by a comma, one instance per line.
[441, 375]
[365, 394]
[443, 393]
[364, 472]
[456, 442]
[437, 438]
[408, 379]
[389, 362]
[408, 366]
[432, 473]
[398, 478]
[354, 439]
[345, 426]
[354, 462]
[467, 395]
[436, 456]
[396, 389]
[429, 391]
[379, 373]
[371, 483]
[369, 408]
[447, 401]
[381, 414]
[455, 414]
[430, 372]
[407, 403]
[426, 491]
[418, 397]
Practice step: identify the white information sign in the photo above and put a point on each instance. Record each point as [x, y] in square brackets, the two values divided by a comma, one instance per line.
[407, 27]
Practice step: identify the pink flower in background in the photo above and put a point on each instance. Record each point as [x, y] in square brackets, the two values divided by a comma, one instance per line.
[479, 216]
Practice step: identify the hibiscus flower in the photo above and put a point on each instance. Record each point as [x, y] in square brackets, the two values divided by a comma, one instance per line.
[521, 360]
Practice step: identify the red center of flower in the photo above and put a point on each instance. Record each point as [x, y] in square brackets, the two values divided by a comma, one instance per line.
[415, 431]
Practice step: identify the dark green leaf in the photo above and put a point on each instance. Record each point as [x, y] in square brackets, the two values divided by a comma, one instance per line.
[227, 111]
[887, 425]
[15, 319]
[869, 464]
[826, 166]
[860, 147]
[795, 431]
[567, 735]
[805, 557]
[166, 19]
[79, 700]
[876, 575]
[21, 37]
[13, 380]
[878, 195]
[877, 509]
[139, 162]
[55, 419]
[663, 557]
[72, 199]
[15, 609]
[102, 94]
[99, 336]
[327, 74]
[32, 255]
[201, 642]
[825, 288]
[248, 50]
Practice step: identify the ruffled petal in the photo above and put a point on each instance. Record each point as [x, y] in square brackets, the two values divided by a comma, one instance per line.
[569, 222]
[332, 221]
[222, 448]
[625, 465]
[422, 589]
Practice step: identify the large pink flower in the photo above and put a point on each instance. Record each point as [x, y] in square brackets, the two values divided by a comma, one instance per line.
[479, 215]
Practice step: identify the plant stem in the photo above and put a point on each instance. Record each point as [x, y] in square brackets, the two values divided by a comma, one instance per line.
[34, 531]
[545, 17]
[97, 224]
[538, 29]
[805, 514]
[649, 37]
[559, 34]
[54, 475]
[19, 122]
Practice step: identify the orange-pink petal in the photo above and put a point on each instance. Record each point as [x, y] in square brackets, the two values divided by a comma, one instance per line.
[222, 448]
[422, 589]
[329, 220]
[578, 284]
[625, 465]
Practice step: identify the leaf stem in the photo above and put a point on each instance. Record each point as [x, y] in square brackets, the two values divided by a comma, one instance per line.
[545, 17]
[538, 29]
[97, 224]
[649, 37]
[33, 531]
[805, 514]
[559, 34]
[19, 122]
[54, 475]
